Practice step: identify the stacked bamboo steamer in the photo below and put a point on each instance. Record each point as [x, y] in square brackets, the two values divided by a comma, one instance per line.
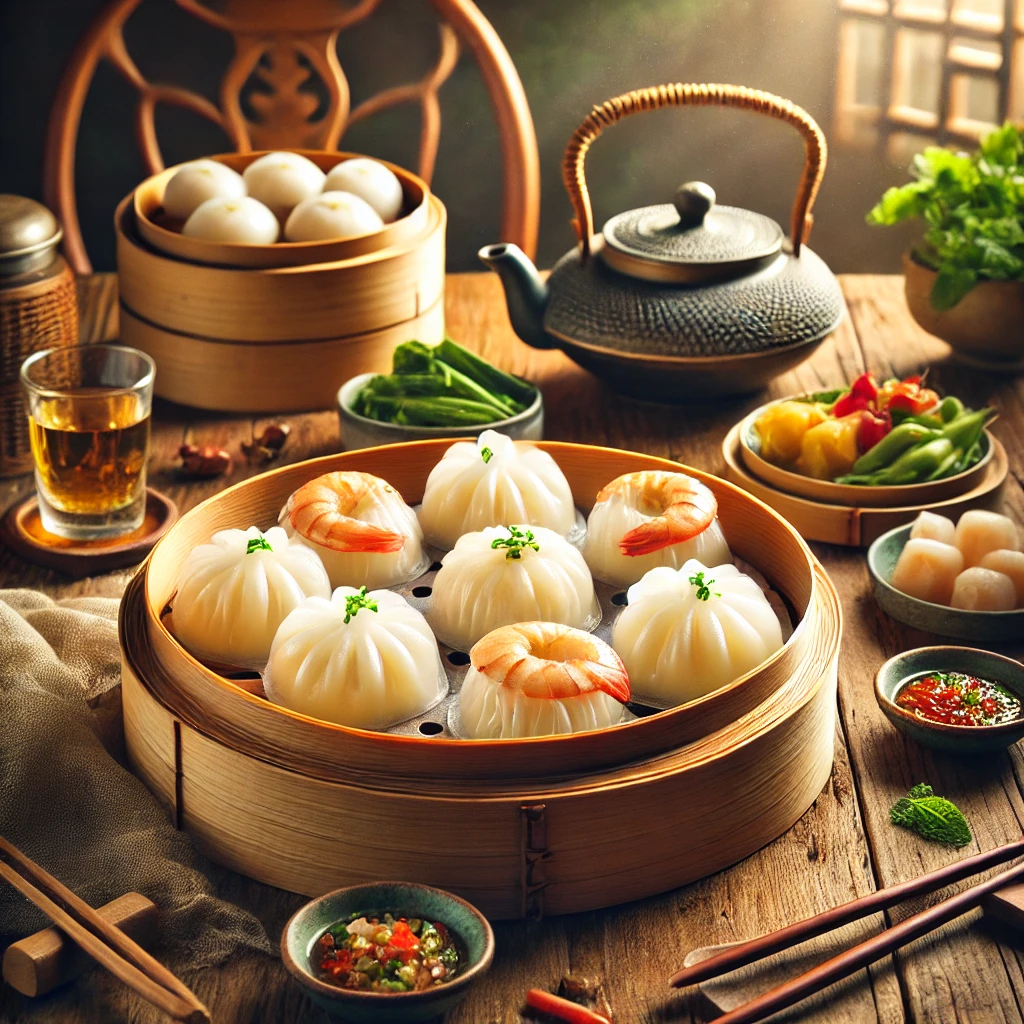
[276, 328]
[519, 827]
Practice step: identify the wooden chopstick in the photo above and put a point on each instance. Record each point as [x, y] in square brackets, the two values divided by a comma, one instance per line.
[867, 952]
[756, 949]
[106, 944]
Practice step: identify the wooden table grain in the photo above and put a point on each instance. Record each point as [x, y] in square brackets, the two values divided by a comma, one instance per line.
[842, 847]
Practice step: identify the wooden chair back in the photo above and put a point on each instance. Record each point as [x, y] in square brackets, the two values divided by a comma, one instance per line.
[293, 40]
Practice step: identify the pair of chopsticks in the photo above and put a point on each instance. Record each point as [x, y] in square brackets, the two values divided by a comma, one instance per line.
[105, 943]
[867, 952]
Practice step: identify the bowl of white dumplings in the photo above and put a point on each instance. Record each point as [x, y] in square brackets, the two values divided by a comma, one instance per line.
[302, 269]
[962, 579]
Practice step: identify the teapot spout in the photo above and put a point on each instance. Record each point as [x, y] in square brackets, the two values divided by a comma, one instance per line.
[525, 293]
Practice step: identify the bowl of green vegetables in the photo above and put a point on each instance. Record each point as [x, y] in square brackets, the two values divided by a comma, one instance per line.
[441, 390]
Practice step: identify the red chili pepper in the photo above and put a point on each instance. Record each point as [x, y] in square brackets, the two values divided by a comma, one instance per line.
[908, 396]
[402, 937]
[873, 427]
[563, 1009]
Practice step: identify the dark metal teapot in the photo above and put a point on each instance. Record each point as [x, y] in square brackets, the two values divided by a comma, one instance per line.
[687, 298]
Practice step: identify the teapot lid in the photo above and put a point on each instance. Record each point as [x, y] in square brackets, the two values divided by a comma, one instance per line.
[690, 240]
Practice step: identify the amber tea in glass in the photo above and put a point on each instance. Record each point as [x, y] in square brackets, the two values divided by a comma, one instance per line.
[89, 411]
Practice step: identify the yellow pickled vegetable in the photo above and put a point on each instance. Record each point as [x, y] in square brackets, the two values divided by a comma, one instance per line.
[829, 449]
[781, 428]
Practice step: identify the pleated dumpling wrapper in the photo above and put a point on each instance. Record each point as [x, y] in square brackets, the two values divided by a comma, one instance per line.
[540, 679]
[686, 632]
[491, 482]
[652, 518]
[236, 590]
[363, 659]
[508, 574]
[360, 527]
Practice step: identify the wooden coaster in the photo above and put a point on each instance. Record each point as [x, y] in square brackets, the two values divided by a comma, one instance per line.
[22, 531]
[858, 527]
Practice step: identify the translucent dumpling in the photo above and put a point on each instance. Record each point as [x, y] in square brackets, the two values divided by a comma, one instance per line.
[540, 679]
[362, 659]
[652, 518]
[491, 482]
[358, 524]
[503, 575]
[234, 592]
[686, 632]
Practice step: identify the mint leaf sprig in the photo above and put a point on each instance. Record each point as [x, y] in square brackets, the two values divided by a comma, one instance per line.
[932, 817]
[515, 543]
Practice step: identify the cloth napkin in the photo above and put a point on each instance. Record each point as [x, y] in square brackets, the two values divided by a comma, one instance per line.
[67, 802]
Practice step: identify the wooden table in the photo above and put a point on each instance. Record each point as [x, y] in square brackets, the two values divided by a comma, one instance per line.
[843, 846]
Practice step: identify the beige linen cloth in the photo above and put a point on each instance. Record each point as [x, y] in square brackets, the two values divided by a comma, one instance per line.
[71, 806]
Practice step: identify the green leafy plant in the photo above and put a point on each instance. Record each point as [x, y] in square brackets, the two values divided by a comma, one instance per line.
[932, 817]
[515, 543]
[973, 208]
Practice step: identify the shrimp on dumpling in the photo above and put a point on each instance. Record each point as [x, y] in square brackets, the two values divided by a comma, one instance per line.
[540, 679]
[492, 482]
[360, 527]
[652, 518]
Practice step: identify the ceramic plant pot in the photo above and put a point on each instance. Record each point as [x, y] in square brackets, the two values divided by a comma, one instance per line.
[984, 329]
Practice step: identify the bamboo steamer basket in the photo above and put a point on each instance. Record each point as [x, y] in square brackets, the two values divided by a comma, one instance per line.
[520, 827]
[283, 328]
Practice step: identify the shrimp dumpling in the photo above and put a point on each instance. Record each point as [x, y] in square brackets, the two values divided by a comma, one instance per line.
[983, 590]
[504, 575]
[360, 527]
[540, 679]
[494, 481]
[927, 570]
[652, 518]
[236, 590]
[979, 531]
[367, 660]
[685, 632]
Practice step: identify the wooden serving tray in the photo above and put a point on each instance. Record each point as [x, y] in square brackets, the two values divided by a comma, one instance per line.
[852, 526]
[519, 827]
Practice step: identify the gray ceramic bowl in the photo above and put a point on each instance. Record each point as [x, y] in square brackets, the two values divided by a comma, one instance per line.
[361, 432]
[470, 927]
[978, 627]
[954, 739]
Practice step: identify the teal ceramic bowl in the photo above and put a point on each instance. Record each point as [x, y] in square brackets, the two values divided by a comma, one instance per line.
[470, 927]
[953, 739]
[977, 627]
[358, 431]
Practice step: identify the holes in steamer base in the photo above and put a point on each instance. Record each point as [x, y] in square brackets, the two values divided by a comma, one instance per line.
[458, 658]
[618, 599]
[421, 591]
[434, 567]
[431, 728]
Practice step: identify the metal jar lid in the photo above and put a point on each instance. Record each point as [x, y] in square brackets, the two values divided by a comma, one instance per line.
[29, 235]
[690, 240]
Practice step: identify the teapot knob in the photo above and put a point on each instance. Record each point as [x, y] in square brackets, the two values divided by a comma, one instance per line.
[693, 200]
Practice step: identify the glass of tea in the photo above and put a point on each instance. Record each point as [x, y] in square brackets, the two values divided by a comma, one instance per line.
[89, 409]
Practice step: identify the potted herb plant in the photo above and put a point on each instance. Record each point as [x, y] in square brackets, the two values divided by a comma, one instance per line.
[965, 281]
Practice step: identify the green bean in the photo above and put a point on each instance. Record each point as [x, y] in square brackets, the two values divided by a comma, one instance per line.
[948, 465]
[950, 408]
[483, 373]
[897, 441]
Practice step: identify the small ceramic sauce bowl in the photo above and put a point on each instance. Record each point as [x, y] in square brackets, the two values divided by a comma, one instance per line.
[359, 431]
[470, 928]
[953, 739]
[978, 627]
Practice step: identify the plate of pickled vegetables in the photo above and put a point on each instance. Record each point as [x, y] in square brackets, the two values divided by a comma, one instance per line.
[871, 444]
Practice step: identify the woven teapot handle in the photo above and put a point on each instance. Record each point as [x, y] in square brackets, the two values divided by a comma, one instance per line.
[680, 95]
